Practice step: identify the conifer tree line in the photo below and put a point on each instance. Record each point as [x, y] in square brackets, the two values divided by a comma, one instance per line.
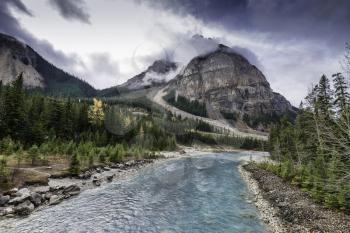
[37, 129]
[314, 152]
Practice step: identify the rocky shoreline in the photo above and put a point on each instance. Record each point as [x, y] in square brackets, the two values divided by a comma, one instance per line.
[285, 208]
[23, 201]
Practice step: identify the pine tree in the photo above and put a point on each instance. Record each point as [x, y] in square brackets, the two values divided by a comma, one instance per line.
[341, 92]
[74, 167]
[14, 111]
[324, 97]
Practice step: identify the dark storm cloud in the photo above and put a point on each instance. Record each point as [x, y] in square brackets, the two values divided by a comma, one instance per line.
[72, 9]
[292, 19]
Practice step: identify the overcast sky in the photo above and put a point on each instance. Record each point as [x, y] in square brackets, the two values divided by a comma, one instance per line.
[106, 42]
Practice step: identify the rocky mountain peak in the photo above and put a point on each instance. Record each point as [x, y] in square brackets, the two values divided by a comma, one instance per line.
[228, 84]
[16, 57]
[160, 72]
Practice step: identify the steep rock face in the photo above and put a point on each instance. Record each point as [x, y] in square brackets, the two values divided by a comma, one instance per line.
[17, 57]
[229, 83]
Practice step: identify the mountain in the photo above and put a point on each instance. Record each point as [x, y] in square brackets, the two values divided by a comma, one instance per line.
[17, 57]
[158, 74]
[231, 88]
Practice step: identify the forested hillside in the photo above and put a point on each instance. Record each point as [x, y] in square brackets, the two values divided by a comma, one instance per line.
[314, 154]
[37, 130]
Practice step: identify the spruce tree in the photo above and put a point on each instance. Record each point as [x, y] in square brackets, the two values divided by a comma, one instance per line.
[341, 92]
[74, 167]
[14, 111]
[324, 97]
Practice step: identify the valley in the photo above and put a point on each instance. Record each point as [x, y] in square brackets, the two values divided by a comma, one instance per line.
[174, 116]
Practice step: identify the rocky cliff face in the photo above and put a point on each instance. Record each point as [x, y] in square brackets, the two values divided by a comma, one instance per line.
[17, 57]
[227, 82]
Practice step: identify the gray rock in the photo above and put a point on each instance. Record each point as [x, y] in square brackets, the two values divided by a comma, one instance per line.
[6, 210]
[85, 175]
[225, 81]
[22, 192]
[4, 200]
[21, 196]
[24, 208]
[55, 188]
[106, 168]
[55, 199]
[130, 163]
[41, 189]
[36, 199]
[71, 190]
[96, 181]
[47, 196]
[98, 170]
[110, 177]
[12, 192]
[117, 165]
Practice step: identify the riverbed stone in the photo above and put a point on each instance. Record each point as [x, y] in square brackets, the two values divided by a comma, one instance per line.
[40, 189]
[11, 192]
[4, 200]
[6, 210]
[24, 208]
[22, 192]
[96, 181]
[55, 199]
[71, 190]
[24, 195]
[36, 199]
[110, 178]
[47, 196]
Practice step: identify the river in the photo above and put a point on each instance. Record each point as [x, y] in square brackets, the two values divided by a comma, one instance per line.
[194, 194]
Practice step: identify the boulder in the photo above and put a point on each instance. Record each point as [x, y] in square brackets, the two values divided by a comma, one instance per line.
[4, 200]
[96, 181]
[130, 163]
[24, 208]
[21, 196]
[11, 192]
[98, 170]
[117, 165]
[71, 190]
[110, 178]
[55, 188]
[6, 210]
[47, 196]
[55, 199]
[41, 189]
[36, 199]
[106, 168]
[85, 175]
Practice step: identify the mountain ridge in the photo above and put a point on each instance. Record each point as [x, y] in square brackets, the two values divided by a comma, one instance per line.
[17, 57]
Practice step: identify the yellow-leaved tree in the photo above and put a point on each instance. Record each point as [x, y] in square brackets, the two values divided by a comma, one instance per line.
[96, 114]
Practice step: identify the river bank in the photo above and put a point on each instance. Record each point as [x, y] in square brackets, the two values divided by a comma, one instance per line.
[286, 208]
[25, 200]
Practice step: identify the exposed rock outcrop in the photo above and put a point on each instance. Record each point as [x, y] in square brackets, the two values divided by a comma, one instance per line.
[227, 82]
[17, 57]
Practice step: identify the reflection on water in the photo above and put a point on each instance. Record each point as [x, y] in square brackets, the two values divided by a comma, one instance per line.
[198, 194]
